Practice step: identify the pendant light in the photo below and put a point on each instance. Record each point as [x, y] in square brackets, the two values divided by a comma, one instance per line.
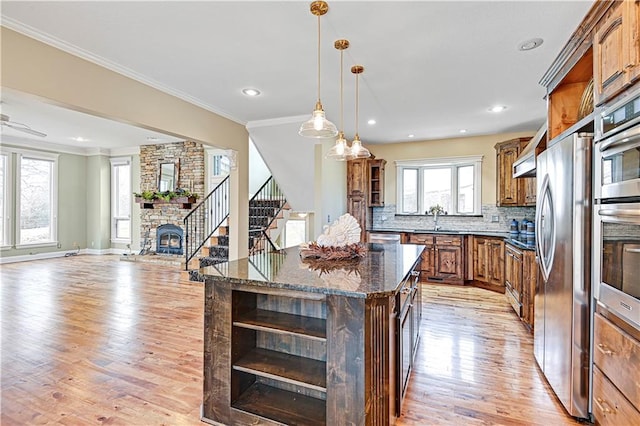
[357, 150]
[340, 151]
[318, 126]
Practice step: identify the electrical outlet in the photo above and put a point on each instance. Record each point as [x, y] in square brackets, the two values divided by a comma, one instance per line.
[495, 218]
[383, 218]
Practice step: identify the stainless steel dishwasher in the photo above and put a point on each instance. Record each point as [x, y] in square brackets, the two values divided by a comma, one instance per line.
[384, 238]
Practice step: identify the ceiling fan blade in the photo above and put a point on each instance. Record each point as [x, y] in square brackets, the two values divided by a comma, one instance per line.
[24, 128]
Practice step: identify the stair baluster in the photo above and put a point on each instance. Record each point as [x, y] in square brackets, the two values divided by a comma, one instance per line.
[205, 219]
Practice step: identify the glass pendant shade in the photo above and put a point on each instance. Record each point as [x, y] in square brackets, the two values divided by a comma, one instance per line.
[357, 150]
[340, 151]
[318, 126]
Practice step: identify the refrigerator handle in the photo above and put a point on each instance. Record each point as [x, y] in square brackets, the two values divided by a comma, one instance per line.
[545, 242]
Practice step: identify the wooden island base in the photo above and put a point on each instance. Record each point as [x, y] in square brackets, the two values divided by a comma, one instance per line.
[324, 352]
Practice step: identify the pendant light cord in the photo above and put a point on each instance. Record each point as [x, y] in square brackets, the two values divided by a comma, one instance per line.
[318, 58]
[341, 93]
[357, 100]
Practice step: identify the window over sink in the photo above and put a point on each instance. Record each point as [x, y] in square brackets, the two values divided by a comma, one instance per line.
[452, 183]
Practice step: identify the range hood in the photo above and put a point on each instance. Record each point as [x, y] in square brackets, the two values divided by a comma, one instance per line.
[525, 164]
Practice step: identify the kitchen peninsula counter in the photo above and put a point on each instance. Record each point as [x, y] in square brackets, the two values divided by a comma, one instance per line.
[295, 342]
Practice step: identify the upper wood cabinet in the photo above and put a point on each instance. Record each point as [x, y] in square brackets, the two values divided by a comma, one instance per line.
[357, 174]
[616, 46]
[512, 191]
[365, 188]
[376, 183]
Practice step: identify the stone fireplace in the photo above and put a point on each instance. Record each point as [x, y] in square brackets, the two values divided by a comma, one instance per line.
[169, 239]
[191, 177]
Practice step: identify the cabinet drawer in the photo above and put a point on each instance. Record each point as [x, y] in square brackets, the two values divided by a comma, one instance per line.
[610, 407]
[421, 239]
[617, 354]
[448, 240]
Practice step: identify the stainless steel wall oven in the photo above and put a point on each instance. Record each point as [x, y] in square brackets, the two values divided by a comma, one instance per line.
[617, 258]
[616, 215]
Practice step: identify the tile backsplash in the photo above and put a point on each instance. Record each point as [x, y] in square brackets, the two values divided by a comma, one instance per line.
[385, 217]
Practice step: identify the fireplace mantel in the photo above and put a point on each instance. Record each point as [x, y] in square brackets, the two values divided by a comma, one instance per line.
[184, 202]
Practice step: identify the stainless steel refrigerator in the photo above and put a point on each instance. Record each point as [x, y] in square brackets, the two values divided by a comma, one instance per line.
[563, 244]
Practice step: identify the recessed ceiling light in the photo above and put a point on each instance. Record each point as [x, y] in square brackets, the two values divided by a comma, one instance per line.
[251, 92]
[463, 130]
[80, 139]
[411, 135]
[497, 108]
[371, 122]
[530, 44]
[152, 139]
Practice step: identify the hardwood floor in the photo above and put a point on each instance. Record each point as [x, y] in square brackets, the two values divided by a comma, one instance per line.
[93, 340]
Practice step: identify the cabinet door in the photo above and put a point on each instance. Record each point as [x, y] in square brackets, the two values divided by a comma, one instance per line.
[480, 264]
[513, 272]
[357, 171]
[507, 185]
[426, 264]
[529, 191]
[357, 207]
[610, 56]
[633, 38]
[529, 274]
[495, 262]
[448, 262]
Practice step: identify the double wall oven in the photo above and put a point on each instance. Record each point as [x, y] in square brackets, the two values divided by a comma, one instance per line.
[616, 233]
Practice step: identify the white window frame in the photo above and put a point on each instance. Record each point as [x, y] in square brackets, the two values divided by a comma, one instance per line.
[44, 156]
[443, 162]
[6, 239]
[115, 162]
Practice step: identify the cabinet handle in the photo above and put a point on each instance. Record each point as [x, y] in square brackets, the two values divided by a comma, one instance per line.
[603, 349]
[603, 406]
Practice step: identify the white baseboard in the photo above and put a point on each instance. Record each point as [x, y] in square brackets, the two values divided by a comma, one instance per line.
[54, 254]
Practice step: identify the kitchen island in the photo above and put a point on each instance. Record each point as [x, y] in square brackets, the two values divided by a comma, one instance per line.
[288, 341]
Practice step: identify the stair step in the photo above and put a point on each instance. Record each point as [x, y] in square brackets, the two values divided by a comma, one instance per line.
[195, 275]
[265, 203]
[210, 261]
[220, 240]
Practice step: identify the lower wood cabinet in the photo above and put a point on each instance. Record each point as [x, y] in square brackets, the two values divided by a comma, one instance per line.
[443, 259]
[520, 277]
[513, 278]
[488, 262]
[616, 372]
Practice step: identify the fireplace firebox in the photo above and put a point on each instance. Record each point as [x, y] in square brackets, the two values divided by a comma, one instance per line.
[169, 239]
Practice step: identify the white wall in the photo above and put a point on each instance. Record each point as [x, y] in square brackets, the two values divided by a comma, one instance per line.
[258, 170]
[291, 159]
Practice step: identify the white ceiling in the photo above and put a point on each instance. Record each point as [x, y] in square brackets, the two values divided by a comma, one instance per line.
[431, 68]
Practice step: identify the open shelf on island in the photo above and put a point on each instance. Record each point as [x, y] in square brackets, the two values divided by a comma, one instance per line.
[283, 406]
[279, 322]
[296, 370]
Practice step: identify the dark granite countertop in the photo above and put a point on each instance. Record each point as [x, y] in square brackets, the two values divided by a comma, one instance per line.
[520, 242]
[378, 274]
[498, 234]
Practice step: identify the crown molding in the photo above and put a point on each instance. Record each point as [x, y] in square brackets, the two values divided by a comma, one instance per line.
[110, 65]
[17, 142]
[277, 121]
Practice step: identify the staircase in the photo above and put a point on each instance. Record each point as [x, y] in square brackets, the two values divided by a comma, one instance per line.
[268, 212]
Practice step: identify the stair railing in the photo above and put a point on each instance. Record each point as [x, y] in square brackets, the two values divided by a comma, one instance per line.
[204, 219]
[268, 201]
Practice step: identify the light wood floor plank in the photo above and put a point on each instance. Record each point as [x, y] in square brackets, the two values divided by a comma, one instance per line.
[92, 340]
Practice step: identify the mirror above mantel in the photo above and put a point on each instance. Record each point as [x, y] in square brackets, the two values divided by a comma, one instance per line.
[168, 173]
